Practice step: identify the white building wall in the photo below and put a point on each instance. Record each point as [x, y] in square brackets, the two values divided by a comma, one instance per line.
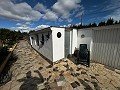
[86, 40]
[58, 43]
[74, 40]
[30, 40]
[46, 49]
[33, 41]
[71, 42]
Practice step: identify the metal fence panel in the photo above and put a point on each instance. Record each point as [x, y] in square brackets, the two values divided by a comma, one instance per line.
[106, 47]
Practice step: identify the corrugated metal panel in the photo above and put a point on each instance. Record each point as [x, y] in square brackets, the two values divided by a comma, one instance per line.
[117, 63]
[106, 47]
[94, 46]
[103, 46]
[115, 40]
[99, 46]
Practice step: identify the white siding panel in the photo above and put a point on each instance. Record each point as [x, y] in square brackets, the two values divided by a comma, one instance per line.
[58, 43]
[74, 40]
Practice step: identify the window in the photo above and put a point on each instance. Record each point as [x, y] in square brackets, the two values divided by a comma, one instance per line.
[32, 38]
[59, 35]
[37, 40]
[42, 41]
[48, 36]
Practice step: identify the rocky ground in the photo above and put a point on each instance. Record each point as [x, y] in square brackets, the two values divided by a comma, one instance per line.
[32, 72]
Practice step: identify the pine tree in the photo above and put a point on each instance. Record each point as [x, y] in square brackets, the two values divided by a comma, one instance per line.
[102, 24]
[110, 21]
[116, 22]
[94, 25]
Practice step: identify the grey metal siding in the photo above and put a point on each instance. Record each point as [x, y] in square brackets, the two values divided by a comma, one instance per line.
[106, 47]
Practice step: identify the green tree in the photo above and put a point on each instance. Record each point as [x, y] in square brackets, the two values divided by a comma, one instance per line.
[116, 22]
[90, 25]
[94, 25]
[102, 24]
[110, 21]
[31, 31]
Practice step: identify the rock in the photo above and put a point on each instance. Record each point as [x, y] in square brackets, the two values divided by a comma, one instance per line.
[16, 87]
[93, 77]
[96, 86]
[61, 83]
[78, 69]
[40, 86]
[77, 83]
[117, 71]
[86, 85]
[96, 74]
[21, 76]
[49, 66]
[61, 78]
[40, 68]
[74, 85]
[55, 69]
[54, 84]
[83, 72]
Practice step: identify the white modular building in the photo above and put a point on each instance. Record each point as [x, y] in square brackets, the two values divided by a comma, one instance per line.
[54, 43]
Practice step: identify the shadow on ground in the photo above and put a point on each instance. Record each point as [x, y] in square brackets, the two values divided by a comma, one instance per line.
[30, 82]
[6, 74]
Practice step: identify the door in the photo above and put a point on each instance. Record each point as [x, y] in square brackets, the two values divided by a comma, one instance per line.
[67, 43]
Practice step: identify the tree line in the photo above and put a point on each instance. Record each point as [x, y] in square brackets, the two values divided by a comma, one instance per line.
[9, 37]
[110, 21]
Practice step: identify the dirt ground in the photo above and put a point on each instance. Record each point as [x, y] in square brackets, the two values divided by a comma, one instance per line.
[32, 72]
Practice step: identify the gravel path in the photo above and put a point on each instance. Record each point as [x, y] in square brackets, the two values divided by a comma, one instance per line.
[32, 72]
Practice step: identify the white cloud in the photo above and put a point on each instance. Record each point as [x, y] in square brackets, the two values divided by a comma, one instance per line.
[66, 25]
[63, 26]
[12, 27]
[41, 27]
[40, 7]
[69, 25]
[111, 5]
[20, 11]
[50, 15]
[69, 20]
[114, 6]
[78, 23]
[47, 13]
[64, 8]
[23, 27]
[81, 12]
[18, 24]
[28, 23]
[115, 15]
[61, 10]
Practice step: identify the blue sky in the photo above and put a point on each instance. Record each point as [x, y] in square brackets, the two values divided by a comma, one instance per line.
[33, 14]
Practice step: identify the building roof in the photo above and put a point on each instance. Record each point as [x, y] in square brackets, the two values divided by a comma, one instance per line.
[48, 29]
[41, 30]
